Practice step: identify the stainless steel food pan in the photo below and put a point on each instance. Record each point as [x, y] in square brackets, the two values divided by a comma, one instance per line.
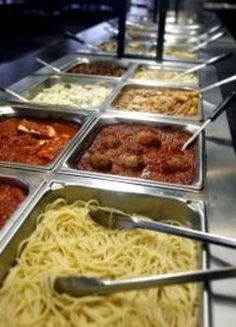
[190, 213]
[81, 118]
[38, 84]
[157, 85]
[197, 57]
[165, 67]
[76, 60]
[143, 45]
[30, 183]
[102, 120]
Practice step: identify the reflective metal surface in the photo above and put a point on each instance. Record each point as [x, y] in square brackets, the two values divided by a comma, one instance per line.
[218, 192]
[155, 206]
[107, 119]
[139, 84]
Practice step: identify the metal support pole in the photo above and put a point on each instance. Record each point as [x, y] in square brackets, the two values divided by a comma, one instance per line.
[163, 7]
[155, 11]
[121, 6]
[177, 6]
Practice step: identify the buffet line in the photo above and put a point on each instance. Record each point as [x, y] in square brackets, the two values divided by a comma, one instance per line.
[93, 127]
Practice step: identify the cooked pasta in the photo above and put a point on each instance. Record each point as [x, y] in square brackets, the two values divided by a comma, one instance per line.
[68, 242]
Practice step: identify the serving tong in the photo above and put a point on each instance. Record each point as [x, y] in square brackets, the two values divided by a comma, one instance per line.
[85, 286]
[215, 114]
[81, 286]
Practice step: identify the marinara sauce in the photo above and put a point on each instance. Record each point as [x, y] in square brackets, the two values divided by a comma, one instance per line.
[10, 198]
[141, 151]
[34, 141]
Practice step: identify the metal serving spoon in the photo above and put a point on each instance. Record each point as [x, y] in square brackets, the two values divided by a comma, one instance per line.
[46, 64]
[82, 286]
[207, 41]
[16, 95]
[57, 70]
[119, 220]
[222, 82]
[81, 41]
[205, 35]
[215, 114]
[210, 61]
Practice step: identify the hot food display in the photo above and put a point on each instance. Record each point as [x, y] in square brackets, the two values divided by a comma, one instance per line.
[174, 102]
[34, 141]
[141, 151]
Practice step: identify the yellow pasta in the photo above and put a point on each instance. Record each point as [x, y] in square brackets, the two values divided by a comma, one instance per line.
[67, 242]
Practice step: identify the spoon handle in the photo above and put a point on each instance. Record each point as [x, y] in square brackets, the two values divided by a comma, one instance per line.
[81, 41]
[216, 113]
[46, 64]
[18, 96]
[211, 61]
[208, 41]
[222, 82]
[222, 107]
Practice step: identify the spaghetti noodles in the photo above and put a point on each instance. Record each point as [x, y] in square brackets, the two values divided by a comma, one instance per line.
[68, 242]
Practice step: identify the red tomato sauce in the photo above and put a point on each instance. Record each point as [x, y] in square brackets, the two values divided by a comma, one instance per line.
[141, 151]
[10, 198]
[34, 141]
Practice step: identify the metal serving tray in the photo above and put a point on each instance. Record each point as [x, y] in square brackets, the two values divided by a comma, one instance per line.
[196, 58]
[76, 60]
[30, 182]
[40, 82]
[155, 85]
[165, 67]
[144, 44]
[107, 119]
[82, 118]
[156, 207]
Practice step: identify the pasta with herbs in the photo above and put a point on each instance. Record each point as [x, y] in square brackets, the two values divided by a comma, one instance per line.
[68, 242]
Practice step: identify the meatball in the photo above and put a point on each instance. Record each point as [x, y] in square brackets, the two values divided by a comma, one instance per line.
[132, 161]
[175, 164]
[110, 142]
[148, 138]
[100, 161]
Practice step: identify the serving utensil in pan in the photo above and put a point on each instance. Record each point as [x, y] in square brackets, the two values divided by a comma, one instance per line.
[46, 64]
[210, 61]
[205, 35]
[82, 286]
[222, 82]
[57, 70]
[120, 220]
[81, 41]
[208, 41]
[215, 114]
[16, 95]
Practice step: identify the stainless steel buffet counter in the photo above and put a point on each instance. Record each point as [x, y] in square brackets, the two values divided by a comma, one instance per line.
[214, 196]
